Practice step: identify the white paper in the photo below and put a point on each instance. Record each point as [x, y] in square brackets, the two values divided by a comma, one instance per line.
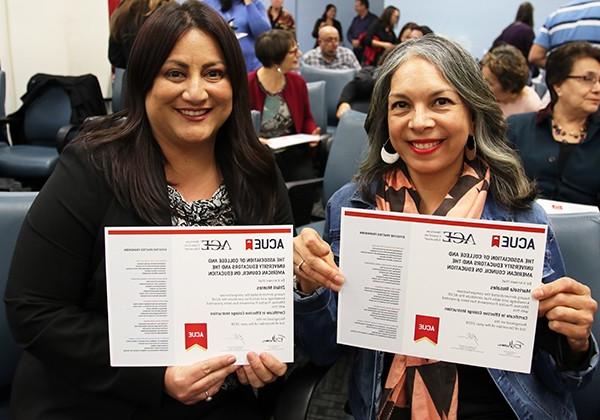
[457, 290]
[561, 207]
[291, 140]
[178, 295]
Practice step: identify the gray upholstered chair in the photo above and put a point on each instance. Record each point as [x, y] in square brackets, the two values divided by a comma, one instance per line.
[318, 104]
[42, 120]
[578, 237]
[335, 80]
[13, 207]
[347, 151]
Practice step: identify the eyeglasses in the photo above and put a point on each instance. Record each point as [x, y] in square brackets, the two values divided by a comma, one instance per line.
[330, 40]
[589, 79]
[294, 51]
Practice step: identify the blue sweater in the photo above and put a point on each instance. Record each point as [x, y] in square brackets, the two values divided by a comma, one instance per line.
[251, 20]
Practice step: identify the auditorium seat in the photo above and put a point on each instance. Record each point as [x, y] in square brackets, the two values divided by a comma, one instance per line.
[335, 80]
[13, 207]
[578, 237]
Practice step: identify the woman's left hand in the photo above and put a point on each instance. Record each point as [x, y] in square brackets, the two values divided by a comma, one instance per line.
[261, 370]
[569, 307]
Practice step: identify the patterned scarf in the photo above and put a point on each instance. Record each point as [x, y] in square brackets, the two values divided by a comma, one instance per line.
[420, 388]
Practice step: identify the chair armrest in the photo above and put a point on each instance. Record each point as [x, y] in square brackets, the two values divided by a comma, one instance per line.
[302, 182]
[65, 134]
[297, 393]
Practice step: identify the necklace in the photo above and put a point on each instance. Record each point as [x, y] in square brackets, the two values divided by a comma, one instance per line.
[577, 136]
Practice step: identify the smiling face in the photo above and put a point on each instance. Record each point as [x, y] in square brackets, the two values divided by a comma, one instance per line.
[191, 96]
[427, 120]
[578, 94]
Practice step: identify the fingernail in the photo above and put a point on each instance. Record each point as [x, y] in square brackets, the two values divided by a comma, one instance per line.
[339, 278]
[231, 359]
[252, 356]
[537, 293]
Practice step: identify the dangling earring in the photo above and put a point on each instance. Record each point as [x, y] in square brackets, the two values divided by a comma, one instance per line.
[388, 153]
[471, 148]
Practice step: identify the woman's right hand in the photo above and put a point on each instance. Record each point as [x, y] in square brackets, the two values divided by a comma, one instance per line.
[314, 265]
[194, 383]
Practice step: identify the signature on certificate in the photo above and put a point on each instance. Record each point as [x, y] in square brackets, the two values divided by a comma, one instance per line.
[470, 339]
[239, 338]
[275, 338]
[512, 344]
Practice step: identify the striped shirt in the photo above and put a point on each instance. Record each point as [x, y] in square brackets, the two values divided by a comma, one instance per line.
[575, 21]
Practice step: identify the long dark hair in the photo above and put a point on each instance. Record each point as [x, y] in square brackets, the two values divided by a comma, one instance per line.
[386, 16]
[327, 8]
[525, 14]
[124, 148]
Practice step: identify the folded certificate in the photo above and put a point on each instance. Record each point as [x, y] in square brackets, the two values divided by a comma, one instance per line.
[561, 207]
[178, 295]
[291, 140]
[457, 290]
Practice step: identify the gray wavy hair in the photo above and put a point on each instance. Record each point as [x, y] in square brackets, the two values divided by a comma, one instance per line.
[509, 184]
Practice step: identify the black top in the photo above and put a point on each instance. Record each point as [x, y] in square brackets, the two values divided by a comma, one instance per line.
[56, 307]
[568, 176]
[336, 24]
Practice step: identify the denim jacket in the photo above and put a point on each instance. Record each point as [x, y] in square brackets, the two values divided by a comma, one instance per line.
[543, 394]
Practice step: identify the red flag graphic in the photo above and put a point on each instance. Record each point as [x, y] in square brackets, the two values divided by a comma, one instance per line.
[427, 327]
[196, 334]
[495, 240]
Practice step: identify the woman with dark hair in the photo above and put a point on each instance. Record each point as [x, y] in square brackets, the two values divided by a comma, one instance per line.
[505, 69]
[125, 23]
[327, 19]
[560, 145]
[405, 31]
[381, 36]
[519, 33]
[281, 96]
[248, 18]
[183, 153]
[437, 146]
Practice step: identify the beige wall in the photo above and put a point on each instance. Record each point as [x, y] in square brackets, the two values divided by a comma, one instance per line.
[65, 37]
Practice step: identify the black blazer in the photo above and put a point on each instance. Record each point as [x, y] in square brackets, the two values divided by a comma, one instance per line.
[56, 306]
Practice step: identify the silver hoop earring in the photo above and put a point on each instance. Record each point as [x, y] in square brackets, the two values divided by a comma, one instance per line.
[388, 153]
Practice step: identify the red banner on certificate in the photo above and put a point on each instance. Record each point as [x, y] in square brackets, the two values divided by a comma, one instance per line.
[427, 327]
[196, 334]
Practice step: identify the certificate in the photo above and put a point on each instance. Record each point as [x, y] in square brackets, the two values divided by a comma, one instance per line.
[282, 142]
[179, 295]
[456, 290]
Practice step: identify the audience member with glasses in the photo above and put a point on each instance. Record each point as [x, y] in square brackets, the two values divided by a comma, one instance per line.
[560, 145]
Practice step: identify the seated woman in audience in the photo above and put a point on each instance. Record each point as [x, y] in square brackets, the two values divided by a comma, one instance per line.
[125, 23]
[185, 155]
[406, 30]
[437, 146]
[560, 145]
[248, 18]
[327, 19]
[381, 36]
[505, 70]
[280, 94]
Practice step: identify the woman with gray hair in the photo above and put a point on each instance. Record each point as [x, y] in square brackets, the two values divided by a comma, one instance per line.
[437, 146]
